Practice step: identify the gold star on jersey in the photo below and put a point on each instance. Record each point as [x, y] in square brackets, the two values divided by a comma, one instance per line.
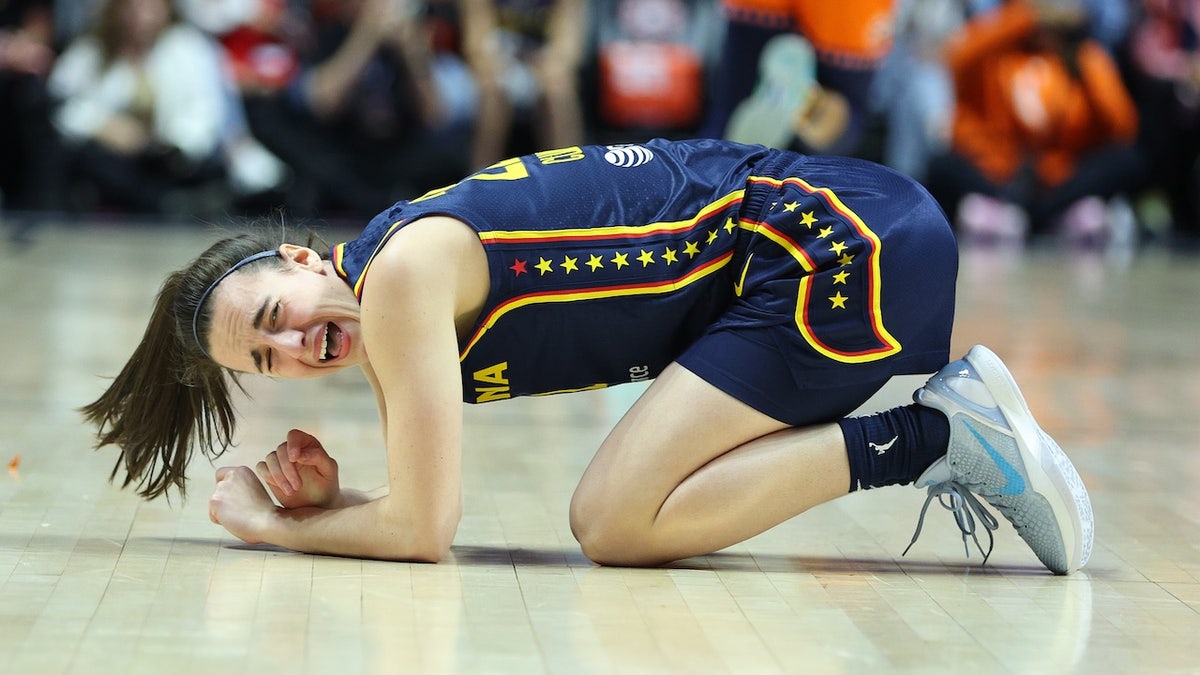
[838, 294]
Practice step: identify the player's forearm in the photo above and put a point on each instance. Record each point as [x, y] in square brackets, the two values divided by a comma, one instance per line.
[372, 529]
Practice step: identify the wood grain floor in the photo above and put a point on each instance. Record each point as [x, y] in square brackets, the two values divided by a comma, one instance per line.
[92, 580]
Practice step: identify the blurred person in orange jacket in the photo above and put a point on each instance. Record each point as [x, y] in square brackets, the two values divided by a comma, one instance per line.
[1043, 126]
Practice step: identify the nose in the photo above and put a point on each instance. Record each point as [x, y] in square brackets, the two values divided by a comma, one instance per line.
[290, 342]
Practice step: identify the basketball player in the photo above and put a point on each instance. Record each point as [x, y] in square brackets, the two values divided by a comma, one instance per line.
[769, 294]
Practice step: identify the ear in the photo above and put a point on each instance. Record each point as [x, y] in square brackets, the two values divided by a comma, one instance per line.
[302, 256]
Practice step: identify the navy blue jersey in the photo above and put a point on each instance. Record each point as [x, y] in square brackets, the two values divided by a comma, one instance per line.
[608, 263]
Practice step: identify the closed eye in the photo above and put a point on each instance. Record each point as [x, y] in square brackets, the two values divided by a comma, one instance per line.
[272, 324]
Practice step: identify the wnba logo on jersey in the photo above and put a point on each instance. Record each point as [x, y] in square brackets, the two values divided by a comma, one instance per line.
[628, 155]
[491, 384]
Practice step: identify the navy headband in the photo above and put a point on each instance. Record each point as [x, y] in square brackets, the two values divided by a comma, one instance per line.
[208, 291]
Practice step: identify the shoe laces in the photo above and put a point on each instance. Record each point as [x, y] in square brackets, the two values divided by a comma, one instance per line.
[965, 506]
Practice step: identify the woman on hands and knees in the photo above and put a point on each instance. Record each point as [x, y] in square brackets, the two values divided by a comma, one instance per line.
[771, 294]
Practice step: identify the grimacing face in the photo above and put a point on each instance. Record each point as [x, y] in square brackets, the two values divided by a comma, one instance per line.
[296, 322]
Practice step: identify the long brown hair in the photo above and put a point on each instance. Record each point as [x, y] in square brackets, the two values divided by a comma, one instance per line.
[171, 398]
[110, 31]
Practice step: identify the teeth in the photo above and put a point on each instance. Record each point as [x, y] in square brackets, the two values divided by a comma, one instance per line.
[325, 343]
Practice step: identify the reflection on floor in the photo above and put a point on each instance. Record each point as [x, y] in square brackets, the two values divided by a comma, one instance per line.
[92, 580]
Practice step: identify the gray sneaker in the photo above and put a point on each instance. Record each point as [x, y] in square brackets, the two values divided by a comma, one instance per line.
[998, 452]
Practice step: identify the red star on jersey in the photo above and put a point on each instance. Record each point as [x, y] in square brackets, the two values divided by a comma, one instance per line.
[518, 268]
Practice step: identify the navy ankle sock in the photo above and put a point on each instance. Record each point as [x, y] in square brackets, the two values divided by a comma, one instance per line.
[895, 446]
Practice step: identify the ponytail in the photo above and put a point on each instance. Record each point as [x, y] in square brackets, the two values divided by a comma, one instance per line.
[157, 410]
[171, 398]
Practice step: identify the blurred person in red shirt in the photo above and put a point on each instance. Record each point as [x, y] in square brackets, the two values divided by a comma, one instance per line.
[343, 92]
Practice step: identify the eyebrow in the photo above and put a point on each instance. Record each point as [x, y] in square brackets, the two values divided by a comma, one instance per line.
[258, 316]
[258, 319]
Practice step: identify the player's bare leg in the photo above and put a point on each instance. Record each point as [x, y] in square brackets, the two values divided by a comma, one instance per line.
[690, 470]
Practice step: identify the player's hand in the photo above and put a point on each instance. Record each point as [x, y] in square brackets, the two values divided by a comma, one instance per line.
[300, 473]
[240, 504]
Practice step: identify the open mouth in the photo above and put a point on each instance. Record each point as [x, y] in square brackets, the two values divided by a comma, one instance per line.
[332, 343]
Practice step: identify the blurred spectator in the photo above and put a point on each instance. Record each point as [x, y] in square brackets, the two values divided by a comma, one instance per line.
[1165, 54]
[253, 58]
[1109, 22]
[258, 38]
[525, 55]
[457, 94]
[652, 58]
[345, 95]
[842, 48]
[141, 107]
[29, 174]
[73, 18]
[1043, 126]
[913, 93]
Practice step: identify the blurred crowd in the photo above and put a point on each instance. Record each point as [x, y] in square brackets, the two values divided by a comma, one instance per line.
[1077, 119]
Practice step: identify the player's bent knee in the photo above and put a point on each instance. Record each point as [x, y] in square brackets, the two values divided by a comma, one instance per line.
[613, 547]
[585, 525]
[608, 540]
[612, 528]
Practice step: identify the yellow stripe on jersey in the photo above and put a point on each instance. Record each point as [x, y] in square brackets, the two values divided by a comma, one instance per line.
[358, 284]
[654, 288]
[611, 231]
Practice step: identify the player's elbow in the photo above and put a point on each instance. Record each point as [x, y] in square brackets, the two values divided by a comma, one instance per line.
[424, 553]
[433, 547]
[431, 542]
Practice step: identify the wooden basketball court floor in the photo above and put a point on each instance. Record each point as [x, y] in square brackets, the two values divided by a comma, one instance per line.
[93, 580]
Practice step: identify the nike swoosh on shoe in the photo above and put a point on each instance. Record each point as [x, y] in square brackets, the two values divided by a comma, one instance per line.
[1014, 484]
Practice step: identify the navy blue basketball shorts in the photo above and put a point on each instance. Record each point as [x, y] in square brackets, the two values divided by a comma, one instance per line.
[844, 276]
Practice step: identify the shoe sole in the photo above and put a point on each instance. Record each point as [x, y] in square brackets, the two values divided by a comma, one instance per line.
[787, 72]
[1050, 471]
